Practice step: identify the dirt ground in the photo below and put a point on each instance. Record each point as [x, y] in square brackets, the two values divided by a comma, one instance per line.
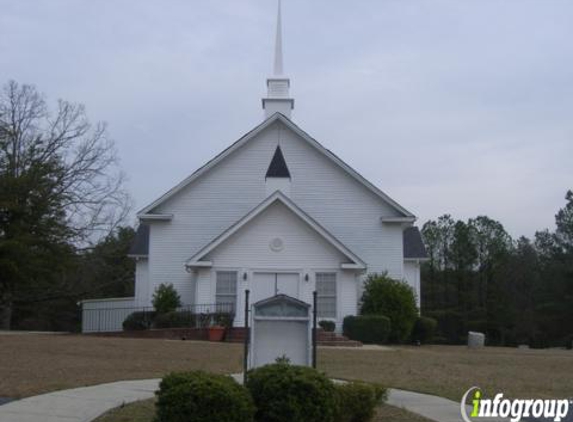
[34, 364]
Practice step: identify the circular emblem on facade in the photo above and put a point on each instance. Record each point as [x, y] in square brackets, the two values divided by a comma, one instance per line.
[277, 244]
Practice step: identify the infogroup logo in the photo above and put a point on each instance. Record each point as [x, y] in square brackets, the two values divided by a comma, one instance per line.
[515, 409]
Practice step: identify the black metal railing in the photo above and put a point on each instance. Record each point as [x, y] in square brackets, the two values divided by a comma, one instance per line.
[109, 319]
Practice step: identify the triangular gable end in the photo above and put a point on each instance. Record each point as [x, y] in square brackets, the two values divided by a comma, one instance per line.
[355, 262]
[147, 212]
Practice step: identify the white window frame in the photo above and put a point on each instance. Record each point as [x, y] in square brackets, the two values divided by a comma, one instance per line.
[233, 296]
[319, 296]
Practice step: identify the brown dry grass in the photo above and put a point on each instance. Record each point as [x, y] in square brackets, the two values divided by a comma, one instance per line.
[449, 371]
[33, 364]
[143, 411]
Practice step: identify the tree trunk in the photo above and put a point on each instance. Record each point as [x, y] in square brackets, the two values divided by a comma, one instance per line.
[5, 311]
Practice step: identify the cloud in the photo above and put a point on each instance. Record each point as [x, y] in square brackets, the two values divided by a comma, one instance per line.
[448, 106]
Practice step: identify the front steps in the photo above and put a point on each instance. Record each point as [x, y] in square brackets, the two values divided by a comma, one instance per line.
[237, 335]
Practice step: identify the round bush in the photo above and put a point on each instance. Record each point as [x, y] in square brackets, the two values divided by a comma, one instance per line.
[201, 397]
[369, 329]
[424, 330]
[287, 393]
[175, 319]
[394, 299]
[138, 321]
[357, 401]
[328, 326]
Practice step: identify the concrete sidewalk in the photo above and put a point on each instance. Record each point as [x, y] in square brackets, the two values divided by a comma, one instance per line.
[87, 403]
[78, 404]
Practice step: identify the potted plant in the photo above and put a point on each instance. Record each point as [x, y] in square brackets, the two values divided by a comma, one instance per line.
[217, 328]
[216, 333]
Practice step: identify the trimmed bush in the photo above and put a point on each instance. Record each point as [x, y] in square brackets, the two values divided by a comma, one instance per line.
[287, 393]
[424, 330]
[223, 319]
[201, 397]
[139, 321]
[394, 299]
[328, 326]
[177, 319]
[367, 328]
[357, 401]
[166, 299]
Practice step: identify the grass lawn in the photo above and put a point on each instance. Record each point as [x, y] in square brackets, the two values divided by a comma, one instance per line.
[34, 364]
[448, 371]
[143, 411]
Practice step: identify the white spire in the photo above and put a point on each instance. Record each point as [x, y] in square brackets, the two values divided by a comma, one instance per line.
[278, 69]
[278, 99]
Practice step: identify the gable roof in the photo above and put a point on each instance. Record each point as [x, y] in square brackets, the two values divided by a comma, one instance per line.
[252, 134]
[140, 244]
[358, 263]
[281, 298]
[278, 166]
[413, 244]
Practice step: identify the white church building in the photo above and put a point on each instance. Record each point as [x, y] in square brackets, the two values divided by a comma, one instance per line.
[276, 213]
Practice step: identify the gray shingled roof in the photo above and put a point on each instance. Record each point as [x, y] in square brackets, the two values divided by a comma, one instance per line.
[413, 244]
[140, 244]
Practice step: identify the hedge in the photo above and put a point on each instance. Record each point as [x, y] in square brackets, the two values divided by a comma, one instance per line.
[176, 319]
[424, 330]
[287, 393]
[201, 397]
[328, 326]
[367, 328]
[394, 299]
[141, 320]
[357, 401]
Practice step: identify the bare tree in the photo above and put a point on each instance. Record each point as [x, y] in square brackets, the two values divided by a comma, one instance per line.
[60, 185]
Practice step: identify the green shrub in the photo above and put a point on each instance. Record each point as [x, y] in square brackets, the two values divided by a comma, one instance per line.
[224, 319]
[201, 397]
[176, 319]
[394, 299]
[166, 299]
[328, 326]
[139, 321]
[357, 402]
[424, 330]
[367, 328]
[287, 393]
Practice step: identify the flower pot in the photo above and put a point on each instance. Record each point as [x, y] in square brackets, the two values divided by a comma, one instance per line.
[216, 333]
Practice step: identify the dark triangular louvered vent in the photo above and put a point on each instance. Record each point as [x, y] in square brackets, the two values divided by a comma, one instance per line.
[278, 167]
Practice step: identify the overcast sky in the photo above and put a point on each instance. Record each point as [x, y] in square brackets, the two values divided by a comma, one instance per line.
[462, 106]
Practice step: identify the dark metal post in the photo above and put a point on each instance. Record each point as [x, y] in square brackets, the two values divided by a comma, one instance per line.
[247, 338]
[314, 329]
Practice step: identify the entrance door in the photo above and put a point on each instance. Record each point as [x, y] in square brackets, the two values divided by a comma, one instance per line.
[266, 285]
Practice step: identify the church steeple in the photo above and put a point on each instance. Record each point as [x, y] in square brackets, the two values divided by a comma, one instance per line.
[277, 99]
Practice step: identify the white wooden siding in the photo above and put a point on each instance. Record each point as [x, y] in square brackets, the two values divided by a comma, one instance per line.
[106, 315]
[142, 296]
[305, 252]
[212, 203]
